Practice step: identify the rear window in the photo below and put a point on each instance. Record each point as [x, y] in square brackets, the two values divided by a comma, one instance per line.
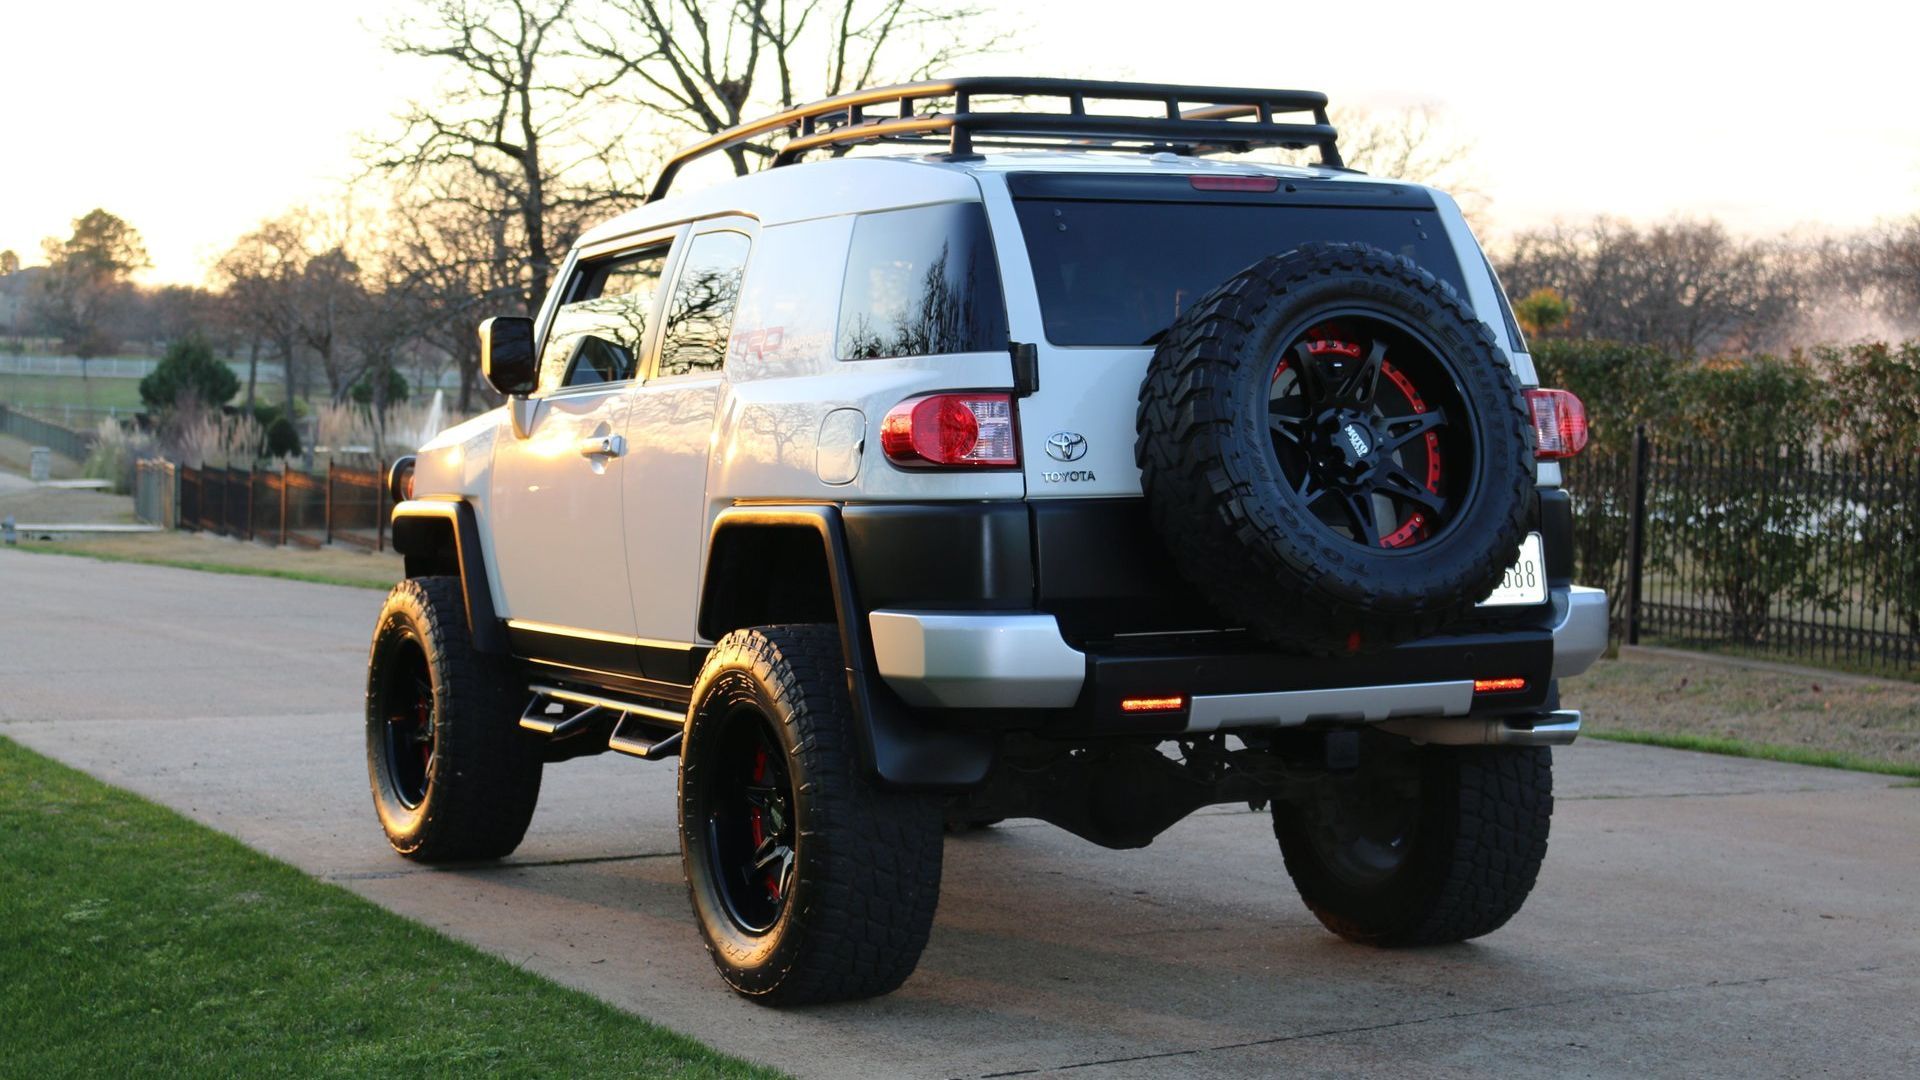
[1119, 271]
[922, 282]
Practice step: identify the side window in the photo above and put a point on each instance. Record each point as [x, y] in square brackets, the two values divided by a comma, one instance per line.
[598, 333]
[922, 282]
[700, 312]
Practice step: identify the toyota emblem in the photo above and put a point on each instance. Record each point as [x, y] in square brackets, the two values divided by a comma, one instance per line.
[1066, 446]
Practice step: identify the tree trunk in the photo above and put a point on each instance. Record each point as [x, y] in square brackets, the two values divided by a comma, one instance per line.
[253, 371]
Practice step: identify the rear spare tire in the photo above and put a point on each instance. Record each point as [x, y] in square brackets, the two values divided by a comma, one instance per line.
[1335, 451]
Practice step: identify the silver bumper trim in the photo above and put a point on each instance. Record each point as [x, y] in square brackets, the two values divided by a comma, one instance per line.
[1371, 704]
[936, 659]
[1580, 634]
[1558, 728]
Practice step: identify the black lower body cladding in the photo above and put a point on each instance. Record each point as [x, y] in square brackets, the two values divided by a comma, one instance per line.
[1335, 450]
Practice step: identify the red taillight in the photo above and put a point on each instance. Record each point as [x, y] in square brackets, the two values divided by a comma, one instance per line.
[1559, 424]
[1499, 686]
[951, 431]
[1236, 183]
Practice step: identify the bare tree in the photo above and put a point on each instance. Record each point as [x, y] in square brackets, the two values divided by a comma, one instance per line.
[1685, 286]
[328, 290]
[544, 100]
[378, 326]
[1876, 273]
[259, 281]
[1413, 143]
[703, 66]
[453, 244]
[516, 111]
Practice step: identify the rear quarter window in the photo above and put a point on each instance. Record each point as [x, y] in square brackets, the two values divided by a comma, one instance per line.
[921, 282]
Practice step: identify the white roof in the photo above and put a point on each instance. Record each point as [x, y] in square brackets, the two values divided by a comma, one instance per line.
[855, 184]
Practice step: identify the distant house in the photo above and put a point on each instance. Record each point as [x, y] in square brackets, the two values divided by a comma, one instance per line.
[15, 288]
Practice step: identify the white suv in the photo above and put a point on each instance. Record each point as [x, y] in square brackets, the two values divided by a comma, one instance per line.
[1058, 469]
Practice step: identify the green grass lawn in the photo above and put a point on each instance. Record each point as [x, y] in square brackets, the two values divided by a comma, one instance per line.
[1791, 755]
[1698, 702]
[55, 390]
[214, 555]
[137, 943]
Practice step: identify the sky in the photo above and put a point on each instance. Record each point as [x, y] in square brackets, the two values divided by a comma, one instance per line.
[197, 120]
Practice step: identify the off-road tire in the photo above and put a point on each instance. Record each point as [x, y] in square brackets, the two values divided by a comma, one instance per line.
[1240, 535]
[867, 867]
[1483, 820]
[483, 780]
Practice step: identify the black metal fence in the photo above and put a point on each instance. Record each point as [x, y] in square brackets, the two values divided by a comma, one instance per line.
[283, 505]
[1796, 552]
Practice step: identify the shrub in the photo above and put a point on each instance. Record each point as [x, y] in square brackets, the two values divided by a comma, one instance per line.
[1875, 411]
[1753, 403]
[1622, 386]
[1744, 430]
[397, 389]
[189, 370]
[282, 438]
[1875, 396]
[115, 450]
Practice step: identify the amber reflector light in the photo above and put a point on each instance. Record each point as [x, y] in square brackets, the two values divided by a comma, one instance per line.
[1152, 704]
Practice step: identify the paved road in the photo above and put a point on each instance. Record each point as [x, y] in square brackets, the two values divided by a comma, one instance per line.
[1697, 916]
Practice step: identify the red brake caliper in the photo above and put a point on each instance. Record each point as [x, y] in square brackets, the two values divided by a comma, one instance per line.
[1415, 527]
[756, 819]
[423, 715]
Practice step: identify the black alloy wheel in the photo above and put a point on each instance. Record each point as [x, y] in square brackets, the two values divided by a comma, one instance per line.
[1359, 411]
[750, 821]
[810, 880]
[453, 774]
[1335, 452]
[1363, 834]
[405, 702]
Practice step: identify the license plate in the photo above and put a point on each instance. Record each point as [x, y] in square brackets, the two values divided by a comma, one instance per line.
[1525, 581]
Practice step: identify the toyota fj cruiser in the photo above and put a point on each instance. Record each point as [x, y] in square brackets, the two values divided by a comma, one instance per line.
[1059, 469]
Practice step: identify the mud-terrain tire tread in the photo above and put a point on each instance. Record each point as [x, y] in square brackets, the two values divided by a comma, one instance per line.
[485, 781]
[868, 879]
[1488, 811]
[1251, 552]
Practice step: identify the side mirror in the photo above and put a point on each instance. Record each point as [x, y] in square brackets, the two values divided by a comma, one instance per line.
[506, 355]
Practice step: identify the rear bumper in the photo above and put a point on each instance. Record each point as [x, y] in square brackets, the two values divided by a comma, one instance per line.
[1579, 629]
[1021, 662]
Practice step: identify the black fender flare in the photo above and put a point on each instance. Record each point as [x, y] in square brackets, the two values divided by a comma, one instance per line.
[898, 744]
[442, 536]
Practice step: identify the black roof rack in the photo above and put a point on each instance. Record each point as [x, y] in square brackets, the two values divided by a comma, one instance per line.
[1198, 120]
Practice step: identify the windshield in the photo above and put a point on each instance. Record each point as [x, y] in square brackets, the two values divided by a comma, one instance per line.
[1118, 272]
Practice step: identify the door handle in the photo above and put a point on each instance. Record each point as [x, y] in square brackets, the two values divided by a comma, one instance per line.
[602, 446]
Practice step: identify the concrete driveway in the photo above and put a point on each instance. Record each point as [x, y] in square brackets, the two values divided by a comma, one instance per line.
[1697, 916]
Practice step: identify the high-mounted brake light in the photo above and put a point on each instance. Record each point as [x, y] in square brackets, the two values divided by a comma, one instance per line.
[1559, 424]
[1236, 183]
[951, 431]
